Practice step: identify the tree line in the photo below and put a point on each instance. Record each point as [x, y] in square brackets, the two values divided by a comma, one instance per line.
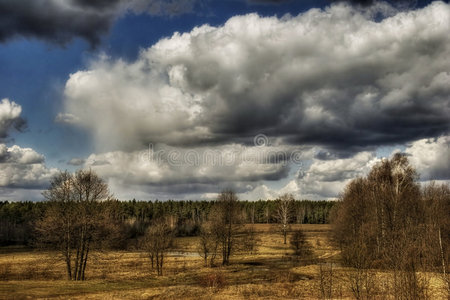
[18, 219]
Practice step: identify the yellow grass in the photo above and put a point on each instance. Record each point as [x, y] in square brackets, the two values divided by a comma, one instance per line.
[269, 273]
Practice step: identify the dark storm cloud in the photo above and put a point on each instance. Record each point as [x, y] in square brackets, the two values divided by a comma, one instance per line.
[60, 21]
[10, 118]
[97, 4]
[18, 124]
[56, 21]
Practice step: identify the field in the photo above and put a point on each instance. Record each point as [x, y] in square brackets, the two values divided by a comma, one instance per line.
[270, 272]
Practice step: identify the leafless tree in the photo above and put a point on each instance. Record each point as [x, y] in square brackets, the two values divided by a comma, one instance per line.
[326, 276]
[302, 248]
[226, 222]
[74, 220]
[437, 203]
[382, 219]
[158, 240]
[284, 213]
[250, 240]
[208, 244]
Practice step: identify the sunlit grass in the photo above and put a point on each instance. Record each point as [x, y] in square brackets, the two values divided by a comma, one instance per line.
[270, 272]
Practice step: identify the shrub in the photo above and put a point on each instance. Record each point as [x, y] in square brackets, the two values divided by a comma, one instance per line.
[214, 280]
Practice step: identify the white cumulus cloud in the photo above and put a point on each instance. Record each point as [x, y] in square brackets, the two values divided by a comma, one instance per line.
[23, 168]
[431, 158]
[332, 77]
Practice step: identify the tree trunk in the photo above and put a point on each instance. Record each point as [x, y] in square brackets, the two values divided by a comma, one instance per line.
[69, 267]
[443, 261]
[85, 261]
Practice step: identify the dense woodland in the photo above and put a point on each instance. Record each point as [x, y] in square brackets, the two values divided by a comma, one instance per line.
[17, 219]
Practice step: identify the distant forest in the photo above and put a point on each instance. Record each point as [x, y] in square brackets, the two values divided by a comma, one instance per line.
[17, 219]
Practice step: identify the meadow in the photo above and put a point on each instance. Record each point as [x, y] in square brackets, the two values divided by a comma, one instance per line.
[271, 271]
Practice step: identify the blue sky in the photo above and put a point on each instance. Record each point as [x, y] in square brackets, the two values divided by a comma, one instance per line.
[311, 77]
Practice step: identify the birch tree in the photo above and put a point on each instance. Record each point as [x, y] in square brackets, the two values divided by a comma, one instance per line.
[283, 213]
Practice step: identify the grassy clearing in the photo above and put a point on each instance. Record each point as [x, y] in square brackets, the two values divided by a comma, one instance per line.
[269, 273]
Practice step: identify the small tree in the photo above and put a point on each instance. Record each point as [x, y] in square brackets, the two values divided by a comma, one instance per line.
[302, 248]
[158, 240]
[74, 221]
[226, 222]
[284, 213]
[208, 244]
[250, 240]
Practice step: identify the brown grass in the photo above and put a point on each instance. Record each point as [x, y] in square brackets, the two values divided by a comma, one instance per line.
[270, 273]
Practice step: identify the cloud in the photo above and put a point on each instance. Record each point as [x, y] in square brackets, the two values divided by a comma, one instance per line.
[365, 3]
[23, 168]
[20, 194]
[59, 21]
[357, 2]
[431, 158]
[323, 179]
[326, 178]
[76, 161]
[163, 7]
[174, 172]
[333, 78]
[169, 165]
[200, 173]
[10, 117]
[66, 118]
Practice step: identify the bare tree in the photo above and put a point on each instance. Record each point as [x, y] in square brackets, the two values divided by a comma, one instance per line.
[302, 248]
[74, 219]
[284, 213]
[208, 244]
[381, 222]
[225, 217]
[158, 240]
[437, 203]
[250, 240]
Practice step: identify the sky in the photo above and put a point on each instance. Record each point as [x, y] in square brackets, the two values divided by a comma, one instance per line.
[181, 99]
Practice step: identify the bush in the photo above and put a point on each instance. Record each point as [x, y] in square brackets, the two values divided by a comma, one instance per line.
[302, 248]
[214, 280]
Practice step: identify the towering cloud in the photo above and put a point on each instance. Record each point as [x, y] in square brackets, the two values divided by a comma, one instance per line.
[332, 77]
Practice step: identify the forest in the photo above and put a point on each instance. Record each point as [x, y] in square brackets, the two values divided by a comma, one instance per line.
[17, 219]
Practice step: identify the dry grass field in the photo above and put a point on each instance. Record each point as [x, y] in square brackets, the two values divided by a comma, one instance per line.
[269, 273]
